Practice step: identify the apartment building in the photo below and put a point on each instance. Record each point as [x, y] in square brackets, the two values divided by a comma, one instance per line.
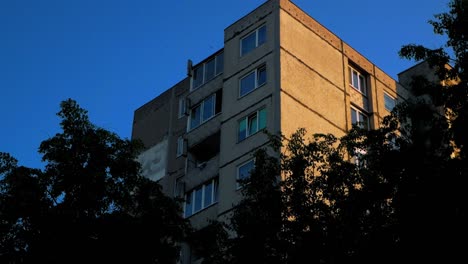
[279, 70]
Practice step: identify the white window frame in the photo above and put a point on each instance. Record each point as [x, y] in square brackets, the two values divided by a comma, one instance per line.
[256, 40]
[182, 107]
[358, 118]
[361, 86]
[393, 99]
[256, 73]
[203, 73]
[214, 196]
[247, 128]
[180, 146]
[239, 185]
[357, 158]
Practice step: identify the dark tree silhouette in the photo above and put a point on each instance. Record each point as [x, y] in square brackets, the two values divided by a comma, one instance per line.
[435, 214]
[256, 220]
[333, 204]
[252, 232]
[90, 203]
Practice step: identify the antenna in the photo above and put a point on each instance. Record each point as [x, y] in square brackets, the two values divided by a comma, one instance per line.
[189, 68]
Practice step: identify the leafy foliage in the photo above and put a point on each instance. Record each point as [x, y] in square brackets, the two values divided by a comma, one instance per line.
[439, 155]
[257, 218]
[452, 92]
[90, 204]
[333, 204]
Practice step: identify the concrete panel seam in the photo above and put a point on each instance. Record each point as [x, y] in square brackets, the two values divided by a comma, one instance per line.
[312, 69]
[313, 111]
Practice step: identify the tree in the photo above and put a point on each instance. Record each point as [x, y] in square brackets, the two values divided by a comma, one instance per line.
[22, 203]
[252, 233]
[439, 141]
[337, 194]
[332, 205]
[452, 92]
[256, 219]
[89, 204]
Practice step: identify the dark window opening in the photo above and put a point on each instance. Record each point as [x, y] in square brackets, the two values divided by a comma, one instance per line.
[207, 148]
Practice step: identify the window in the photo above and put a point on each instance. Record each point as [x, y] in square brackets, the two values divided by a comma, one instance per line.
[252, 81]
[179, 187]
[205, 110]
[207, 71]
[182, 107]
[253, 40]
[219, 63]
[210, 69]
[252, 123]
[360, 119]
[359, 158]
[389, 102]
[357, 80]
[197, 77]
[180, 146]
[244, 170]
[201, 197]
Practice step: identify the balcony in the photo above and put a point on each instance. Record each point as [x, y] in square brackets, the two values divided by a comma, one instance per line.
[203, 158]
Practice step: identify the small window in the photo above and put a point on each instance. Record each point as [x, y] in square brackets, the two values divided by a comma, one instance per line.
[195, 116]
[215, 190]
[198, 201]
[208, 107]
[179, 187]
[359, 158]
[359, 119]
[201, 197]
[180, 146]
[210, 69]
[188, 207]
[204, 72]
[357, 80]
[251, 124]
[197, 77]
[208, 195]
[219, 63]
[390, 102]
[182, 107]
[253, 40]
[252, 81]
[244, 170]
[205, 110]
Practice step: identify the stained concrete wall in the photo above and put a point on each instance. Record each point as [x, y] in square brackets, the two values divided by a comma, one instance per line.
[154, 160]
[420, 69]
[158, 126]
[150, 121]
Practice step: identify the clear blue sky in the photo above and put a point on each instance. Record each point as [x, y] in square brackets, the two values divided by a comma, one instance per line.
[112, 56]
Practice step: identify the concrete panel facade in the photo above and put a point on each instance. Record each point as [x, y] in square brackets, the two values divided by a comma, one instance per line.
[158, 125]
[309, 48]
[296, 115]
[421, 69]
[317, 96]
[150, 124]
[236, 107]
[154, 160]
